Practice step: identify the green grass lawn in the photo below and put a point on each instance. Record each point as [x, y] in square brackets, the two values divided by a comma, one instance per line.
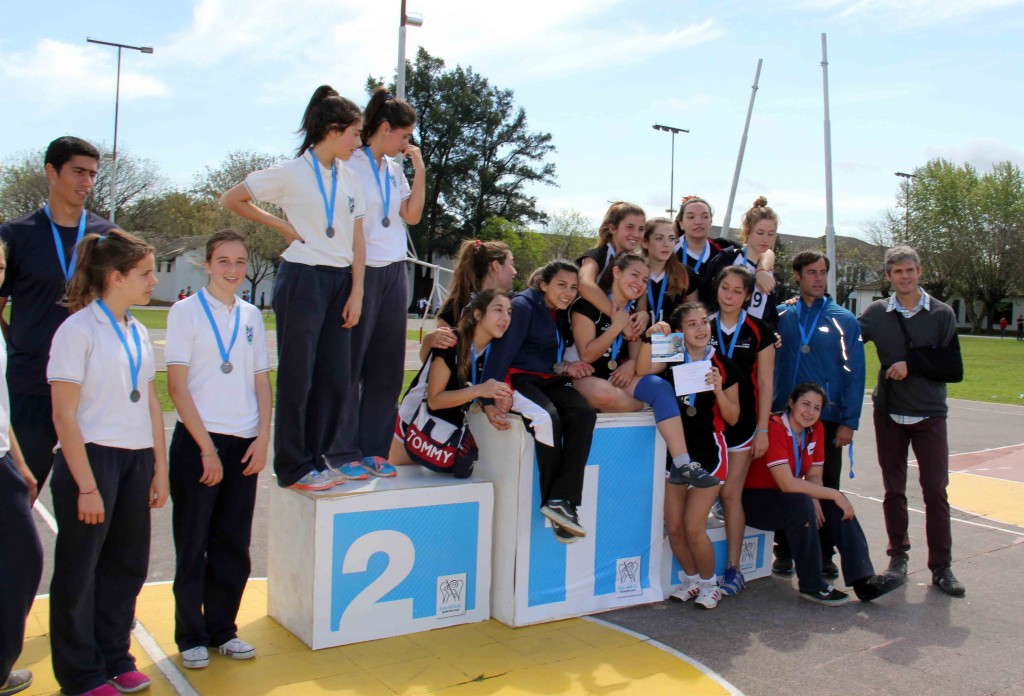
[157, 318]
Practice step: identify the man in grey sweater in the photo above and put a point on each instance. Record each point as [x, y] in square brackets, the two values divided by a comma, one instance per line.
[910, 409]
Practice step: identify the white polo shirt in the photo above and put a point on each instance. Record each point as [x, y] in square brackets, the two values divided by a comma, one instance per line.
[226, 402]
[384, 245]
[5, 402]
[292, 186]
[87, 351]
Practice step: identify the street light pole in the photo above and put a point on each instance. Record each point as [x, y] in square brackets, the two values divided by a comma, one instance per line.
[906, 183]
[672, 177]
[404, 20]
[117, 108]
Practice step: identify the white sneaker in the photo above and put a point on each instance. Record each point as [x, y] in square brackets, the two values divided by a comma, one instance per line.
[237, 649]
[196, 658]
[688, 591]
[708, 596]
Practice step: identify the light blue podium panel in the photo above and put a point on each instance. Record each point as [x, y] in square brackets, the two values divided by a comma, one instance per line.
[380, 558]
[618, 563]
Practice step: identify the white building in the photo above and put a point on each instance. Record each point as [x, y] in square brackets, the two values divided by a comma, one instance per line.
[179, 266]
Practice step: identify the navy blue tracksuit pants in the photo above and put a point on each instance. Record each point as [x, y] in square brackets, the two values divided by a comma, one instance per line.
[98, 569]
[22, 565]
[314, 374]
[793, 513]
[212, 529]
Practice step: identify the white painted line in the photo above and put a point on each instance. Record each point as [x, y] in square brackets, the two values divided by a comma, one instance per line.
[48, 518]
[700, 666]
[954, 519]
[988, 449]
[160, 659]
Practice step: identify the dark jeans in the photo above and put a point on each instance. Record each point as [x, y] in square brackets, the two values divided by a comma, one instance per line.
[212, 529]
[932, 451]
[314, 374]
[378, 358]
[561, 467]
[831, 475]
[32, 423]
[98, 569]
[22, 565]
[793, 513]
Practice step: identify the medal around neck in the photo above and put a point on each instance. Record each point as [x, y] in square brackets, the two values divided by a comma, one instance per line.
[805, 348]
[329, 231]
[560, 367]
[613, 365]
[691, 411]
[225, 353]
[226, 367]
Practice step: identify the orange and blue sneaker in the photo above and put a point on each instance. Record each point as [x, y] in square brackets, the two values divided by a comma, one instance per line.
[378, 466]
[313, 481]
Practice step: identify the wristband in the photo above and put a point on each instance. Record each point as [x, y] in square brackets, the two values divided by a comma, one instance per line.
[759, 430]
[209, 454]
[763, 270]
[88, 492]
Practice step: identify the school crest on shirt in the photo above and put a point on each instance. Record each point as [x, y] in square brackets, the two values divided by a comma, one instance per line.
[351, 204]
[248, 334]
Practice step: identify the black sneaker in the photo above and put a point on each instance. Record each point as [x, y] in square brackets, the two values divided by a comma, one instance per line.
[874, 586]
[897, 567]
[563, 513]
[783, 566]
[829, 571]
[830, 596]
[692, 474]
[944, 579]
[562, 535]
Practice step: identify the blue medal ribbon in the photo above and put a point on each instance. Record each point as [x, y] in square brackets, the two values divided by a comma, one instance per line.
[798, 453]
[617, 343]
[805, 336]
[851, 460]
[67, 269]
[561, 344]
[472, 352]
[224, 354]
[385, 191]
[656, 309]
[134, 366]
[703, 257]
[328, 205]
[735, 333]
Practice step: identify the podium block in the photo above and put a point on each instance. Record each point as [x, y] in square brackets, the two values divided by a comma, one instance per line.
[755, 557]
[379, 558]
[618, 564]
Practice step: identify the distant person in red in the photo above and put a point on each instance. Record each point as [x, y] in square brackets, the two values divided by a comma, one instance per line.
[1002, 327]
[181, 294]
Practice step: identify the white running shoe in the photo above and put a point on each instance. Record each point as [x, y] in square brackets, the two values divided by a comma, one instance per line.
[708, 596]
[688, 591]
[195, 658]
[237, 649]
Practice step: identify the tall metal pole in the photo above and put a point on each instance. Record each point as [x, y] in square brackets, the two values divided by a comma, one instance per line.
[672, 176]
[113, 159]
[400, 78]
[830, 232]
[739, 157]
[906, 188]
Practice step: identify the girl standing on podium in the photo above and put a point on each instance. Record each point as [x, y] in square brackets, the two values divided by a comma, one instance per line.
[318, 293]
[109, 468]
[218, 377]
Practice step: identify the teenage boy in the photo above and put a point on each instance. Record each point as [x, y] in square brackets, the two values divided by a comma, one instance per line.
[40, 260]
[910, 409]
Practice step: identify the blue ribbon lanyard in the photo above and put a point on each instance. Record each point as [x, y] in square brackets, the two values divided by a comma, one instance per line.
[735, 333]
[703, 257]
[691, 399]
[224, 354]
[561, 343]
[851, 459]
[385, 190]
[617, 343]
[798, 454]
[328, 205]
[67, 269]
[656, 309]
[805, 336]
[472, 352]
[133, 366]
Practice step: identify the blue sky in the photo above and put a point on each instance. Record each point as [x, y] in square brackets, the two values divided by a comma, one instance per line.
[909, 81]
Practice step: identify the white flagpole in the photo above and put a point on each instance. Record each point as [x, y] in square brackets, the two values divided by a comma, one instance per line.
[830, 232]
[739, 157]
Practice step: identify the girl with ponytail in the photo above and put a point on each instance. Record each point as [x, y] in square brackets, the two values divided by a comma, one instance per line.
[109, 468]
[318, 293]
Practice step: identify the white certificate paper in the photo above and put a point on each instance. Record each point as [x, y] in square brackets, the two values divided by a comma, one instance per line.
[692, 377]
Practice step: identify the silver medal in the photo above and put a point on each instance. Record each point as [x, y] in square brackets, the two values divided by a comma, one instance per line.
[330, 231]
[613, 365]
[226, 367]
[135, 395]
[386, 222]
[560, 367]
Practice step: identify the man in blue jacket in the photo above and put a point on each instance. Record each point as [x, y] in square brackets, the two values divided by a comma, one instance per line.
[820, 343]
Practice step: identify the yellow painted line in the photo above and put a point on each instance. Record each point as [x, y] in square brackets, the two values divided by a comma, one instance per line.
[994, 498]
[565, 657]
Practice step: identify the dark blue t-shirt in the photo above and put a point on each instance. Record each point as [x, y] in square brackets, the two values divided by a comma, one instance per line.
[35, 285]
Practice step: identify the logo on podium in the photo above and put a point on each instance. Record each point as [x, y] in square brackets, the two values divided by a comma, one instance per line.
[451, 591]
[627, 577]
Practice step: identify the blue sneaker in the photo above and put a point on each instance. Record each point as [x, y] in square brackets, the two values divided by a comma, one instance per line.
[378, 466]
[733, 582]
[718, 510]
[313, 481]
[343, 472]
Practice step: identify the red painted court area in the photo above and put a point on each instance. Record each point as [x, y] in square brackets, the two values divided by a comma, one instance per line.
[1005, 463]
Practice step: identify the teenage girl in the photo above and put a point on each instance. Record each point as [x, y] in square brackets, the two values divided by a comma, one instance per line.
[455, 378]
[531, 358]
[757, 232]
[109, 468]
[750, 344]
[378, 340]
[615, 387]
[218, 377]
[318, 293]
[620, 232]
[19, 577]
[705, 415]
[672, 282]
[479, 266]
[784, 490]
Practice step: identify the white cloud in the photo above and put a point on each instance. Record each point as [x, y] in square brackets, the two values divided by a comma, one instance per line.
[909, 13]
[60, 73]
[980, 153]
[687, 105]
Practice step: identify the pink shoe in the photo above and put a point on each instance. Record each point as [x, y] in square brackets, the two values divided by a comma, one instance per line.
[130, 682]
[104, 690]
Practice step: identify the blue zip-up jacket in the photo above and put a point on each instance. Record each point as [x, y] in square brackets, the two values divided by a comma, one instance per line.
[530, 343]
[836, 360]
